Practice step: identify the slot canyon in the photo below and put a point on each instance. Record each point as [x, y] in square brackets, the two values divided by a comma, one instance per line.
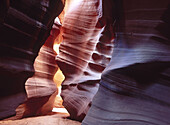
[53, 54]
[30, 59]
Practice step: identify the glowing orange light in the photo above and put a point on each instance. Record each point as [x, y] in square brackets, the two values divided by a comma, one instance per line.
[56, 48]
[58, 79]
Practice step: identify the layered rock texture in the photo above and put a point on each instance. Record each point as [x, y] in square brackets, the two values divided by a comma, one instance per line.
[86, 45]
[42, 88]
[84, 53]
[24, 27]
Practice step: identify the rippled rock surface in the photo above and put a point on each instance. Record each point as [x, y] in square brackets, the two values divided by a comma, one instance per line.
[24, 27]
[84, 53]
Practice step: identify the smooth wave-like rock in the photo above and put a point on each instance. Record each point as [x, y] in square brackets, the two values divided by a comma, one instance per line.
[84, 53]
[24, 27]
[42, 84]
[41, 88]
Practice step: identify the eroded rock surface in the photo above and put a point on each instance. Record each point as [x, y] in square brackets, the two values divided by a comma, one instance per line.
[24, 27]
[84, 53]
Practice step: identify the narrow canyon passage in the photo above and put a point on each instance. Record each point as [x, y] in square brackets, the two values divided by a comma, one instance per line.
[44, 87]
[89, 62]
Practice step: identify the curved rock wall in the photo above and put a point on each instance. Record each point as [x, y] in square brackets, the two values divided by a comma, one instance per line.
[41, 84]
[84, 53]
[41, 88]
[24, 27]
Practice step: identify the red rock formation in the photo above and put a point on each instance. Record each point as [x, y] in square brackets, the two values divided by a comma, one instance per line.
[84, 53]
[24, 27]
[41, 84]
[40, 87]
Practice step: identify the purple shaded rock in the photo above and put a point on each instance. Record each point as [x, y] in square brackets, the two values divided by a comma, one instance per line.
[24, 27]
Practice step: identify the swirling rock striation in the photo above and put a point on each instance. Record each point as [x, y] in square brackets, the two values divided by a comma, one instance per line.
[84, 53]
[24, 27]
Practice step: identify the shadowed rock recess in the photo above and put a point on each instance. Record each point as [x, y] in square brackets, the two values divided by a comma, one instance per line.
[24, 27]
